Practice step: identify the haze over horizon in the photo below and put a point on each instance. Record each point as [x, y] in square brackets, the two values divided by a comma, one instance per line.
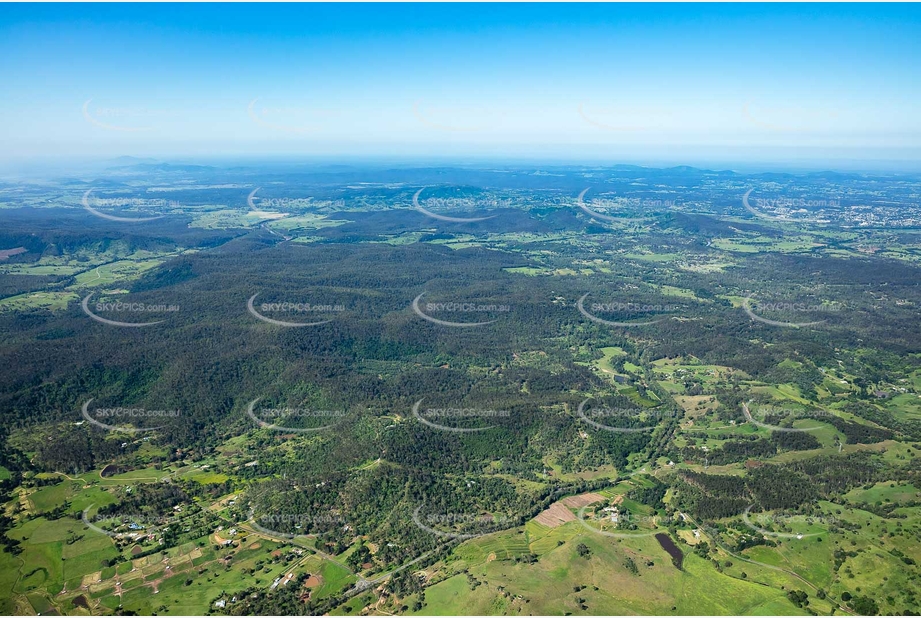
[444, 309]
[803, 85]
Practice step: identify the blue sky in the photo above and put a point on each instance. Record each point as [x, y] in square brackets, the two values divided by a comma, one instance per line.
[619, 81]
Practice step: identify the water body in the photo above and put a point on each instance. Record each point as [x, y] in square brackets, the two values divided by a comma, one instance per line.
[669, 545]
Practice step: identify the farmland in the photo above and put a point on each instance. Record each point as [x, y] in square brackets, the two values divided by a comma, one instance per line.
[332, 402]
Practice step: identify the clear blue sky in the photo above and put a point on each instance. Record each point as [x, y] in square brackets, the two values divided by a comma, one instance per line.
[499, 80]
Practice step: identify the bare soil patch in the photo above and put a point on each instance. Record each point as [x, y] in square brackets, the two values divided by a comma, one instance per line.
[313, 581]
[582, 500]
[555, 515]
[6, 253]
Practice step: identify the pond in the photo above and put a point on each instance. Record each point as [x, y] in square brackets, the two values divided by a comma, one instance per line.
[669, 545]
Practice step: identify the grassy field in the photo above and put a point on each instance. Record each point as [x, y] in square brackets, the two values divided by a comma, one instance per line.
[53, 301]
[305, 222]
[547, 585]
[607, 355]
[63, 559]
[116, 264]
[115, 272]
